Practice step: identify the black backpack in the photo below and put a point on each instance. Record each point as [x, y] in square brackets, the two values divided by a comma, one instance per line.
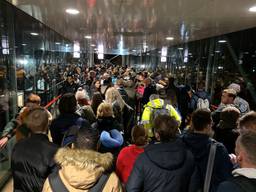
[57, 184]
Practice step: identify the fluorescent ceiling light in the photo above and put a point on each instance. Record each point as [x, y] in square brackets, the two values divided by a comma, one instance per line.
[23, 44]
[169, 38]
[34, 34]
[252, 9]
[134, 50]
[92, 45]
[72, 11]
[180, 48]
[57, 43]
[222, 41]
[87, 37]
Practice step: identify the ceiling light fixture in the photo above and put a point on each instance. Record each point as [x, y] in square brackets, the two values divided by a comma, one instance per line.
[34, 34]
[180, 48]
[92, 45]
[252, 9]
[72, 11]
[23, 44]
[88, 37]
[169, 38]
[222, 41]
[57, 43]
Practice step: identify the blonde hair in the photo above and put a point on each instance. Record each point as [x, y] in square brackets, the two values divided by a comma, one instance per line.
[105, 110]
[112, 95]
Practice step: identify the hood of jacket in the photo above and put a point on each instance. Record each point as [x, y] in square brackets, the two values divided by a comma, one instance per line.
[197, 143]
[107, 124]
[156, 103]
[81, 169]
[202, 94]
[170, 156]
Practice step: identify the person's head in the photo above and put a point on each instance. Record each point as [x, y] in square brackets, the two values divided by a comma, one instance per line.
[37, 120]
[202, 121]
[248, 122]
[87, 138]
[70, 79]
[33, 99]
[82, 96]
[228, 96]
[229, 117]
[97, 84]
[96, 101]
[245, 149]
[68, 103]
[120, 82]
[105, 110]
[165, 128]
[139, 135]
[113, 95]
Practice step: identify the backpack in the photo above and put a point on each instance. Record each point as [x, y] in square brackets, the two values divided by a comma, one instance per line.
[159, 111]
[245, 184]
[202, 103]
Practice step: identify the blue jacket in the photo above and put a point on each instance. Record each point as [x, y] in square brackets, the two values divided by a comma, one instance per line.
[199, 145]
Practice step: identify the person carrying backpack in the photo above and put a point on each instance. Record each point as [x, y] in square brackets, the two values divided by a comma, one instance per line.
[154, 108]
[200, 99]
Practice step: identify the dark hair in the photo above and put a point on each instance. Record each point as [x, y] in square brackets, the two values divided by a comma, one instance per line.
[248, 121]
[139, 135]
[248, 142]
[67, 103]
[87, 138]
[166, 126]
[200, 119]
[96, 101]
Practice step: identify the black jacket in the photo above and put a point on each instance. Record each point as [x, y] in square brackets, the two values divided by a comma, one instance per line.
[199, 144]
[32, 162]
[163, 167]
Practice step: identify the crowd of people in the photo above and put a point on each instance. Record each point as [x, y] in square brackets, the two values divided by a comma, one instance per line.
[122, 130]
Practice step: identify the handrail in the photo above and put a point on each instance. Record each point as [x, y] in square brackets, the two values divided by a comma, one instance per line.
[54, 100]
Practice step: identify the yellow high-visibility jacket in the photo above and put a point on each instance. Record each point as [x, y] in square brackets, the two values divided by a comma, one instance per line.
[150, 107]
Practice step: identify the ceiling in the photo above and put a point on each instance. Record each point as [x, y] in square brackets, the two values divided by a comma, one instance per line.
[126, 25]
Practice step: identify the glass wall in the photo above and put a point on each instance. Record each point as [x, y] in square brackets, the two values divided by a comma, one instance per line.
[31, 60]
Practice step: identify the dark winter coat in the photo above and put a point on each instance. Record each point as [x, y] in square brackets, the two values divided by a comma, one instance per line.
[199, 145]
[163, 167]
[62, 123]
[32, 162]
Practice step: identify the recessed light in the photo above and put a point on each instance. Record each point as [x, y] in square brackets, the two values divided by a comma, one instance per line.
[34, 34]
[57, 43]
[23, 44]
[169, 38]
[217, 51]
[88, 37]
[92, 45]
[252, 9]
[222, 41]
[180, 48]
[67, 45]
[72, 11]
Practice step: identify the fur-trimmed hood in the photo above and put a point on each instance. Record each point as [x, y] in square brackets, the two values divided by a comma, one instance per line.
[82, 168]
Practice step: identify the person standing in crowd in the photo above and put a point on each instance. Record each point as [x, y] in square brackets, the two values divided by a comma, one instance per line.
[84, 107]
[199, 142]
[129, 154]
[83, 168]
[226, 131]
[32, 157]
[16, 123]
[67, 118]
[242, 104]
[244, 177]
[69, 85]
[151, 110]
[165, 165]
[97, 99]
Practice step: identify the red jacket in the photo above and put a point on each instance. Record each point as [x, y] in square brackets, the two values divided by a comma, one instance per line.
[126, 160]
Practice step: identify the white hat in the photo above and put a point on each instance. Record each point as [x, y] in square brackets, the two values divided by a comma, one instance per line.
[235, 87]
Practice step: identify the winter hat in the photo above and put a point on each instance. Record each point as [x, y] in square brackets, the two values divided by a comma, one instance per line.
[111, 139]
[235, 87]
